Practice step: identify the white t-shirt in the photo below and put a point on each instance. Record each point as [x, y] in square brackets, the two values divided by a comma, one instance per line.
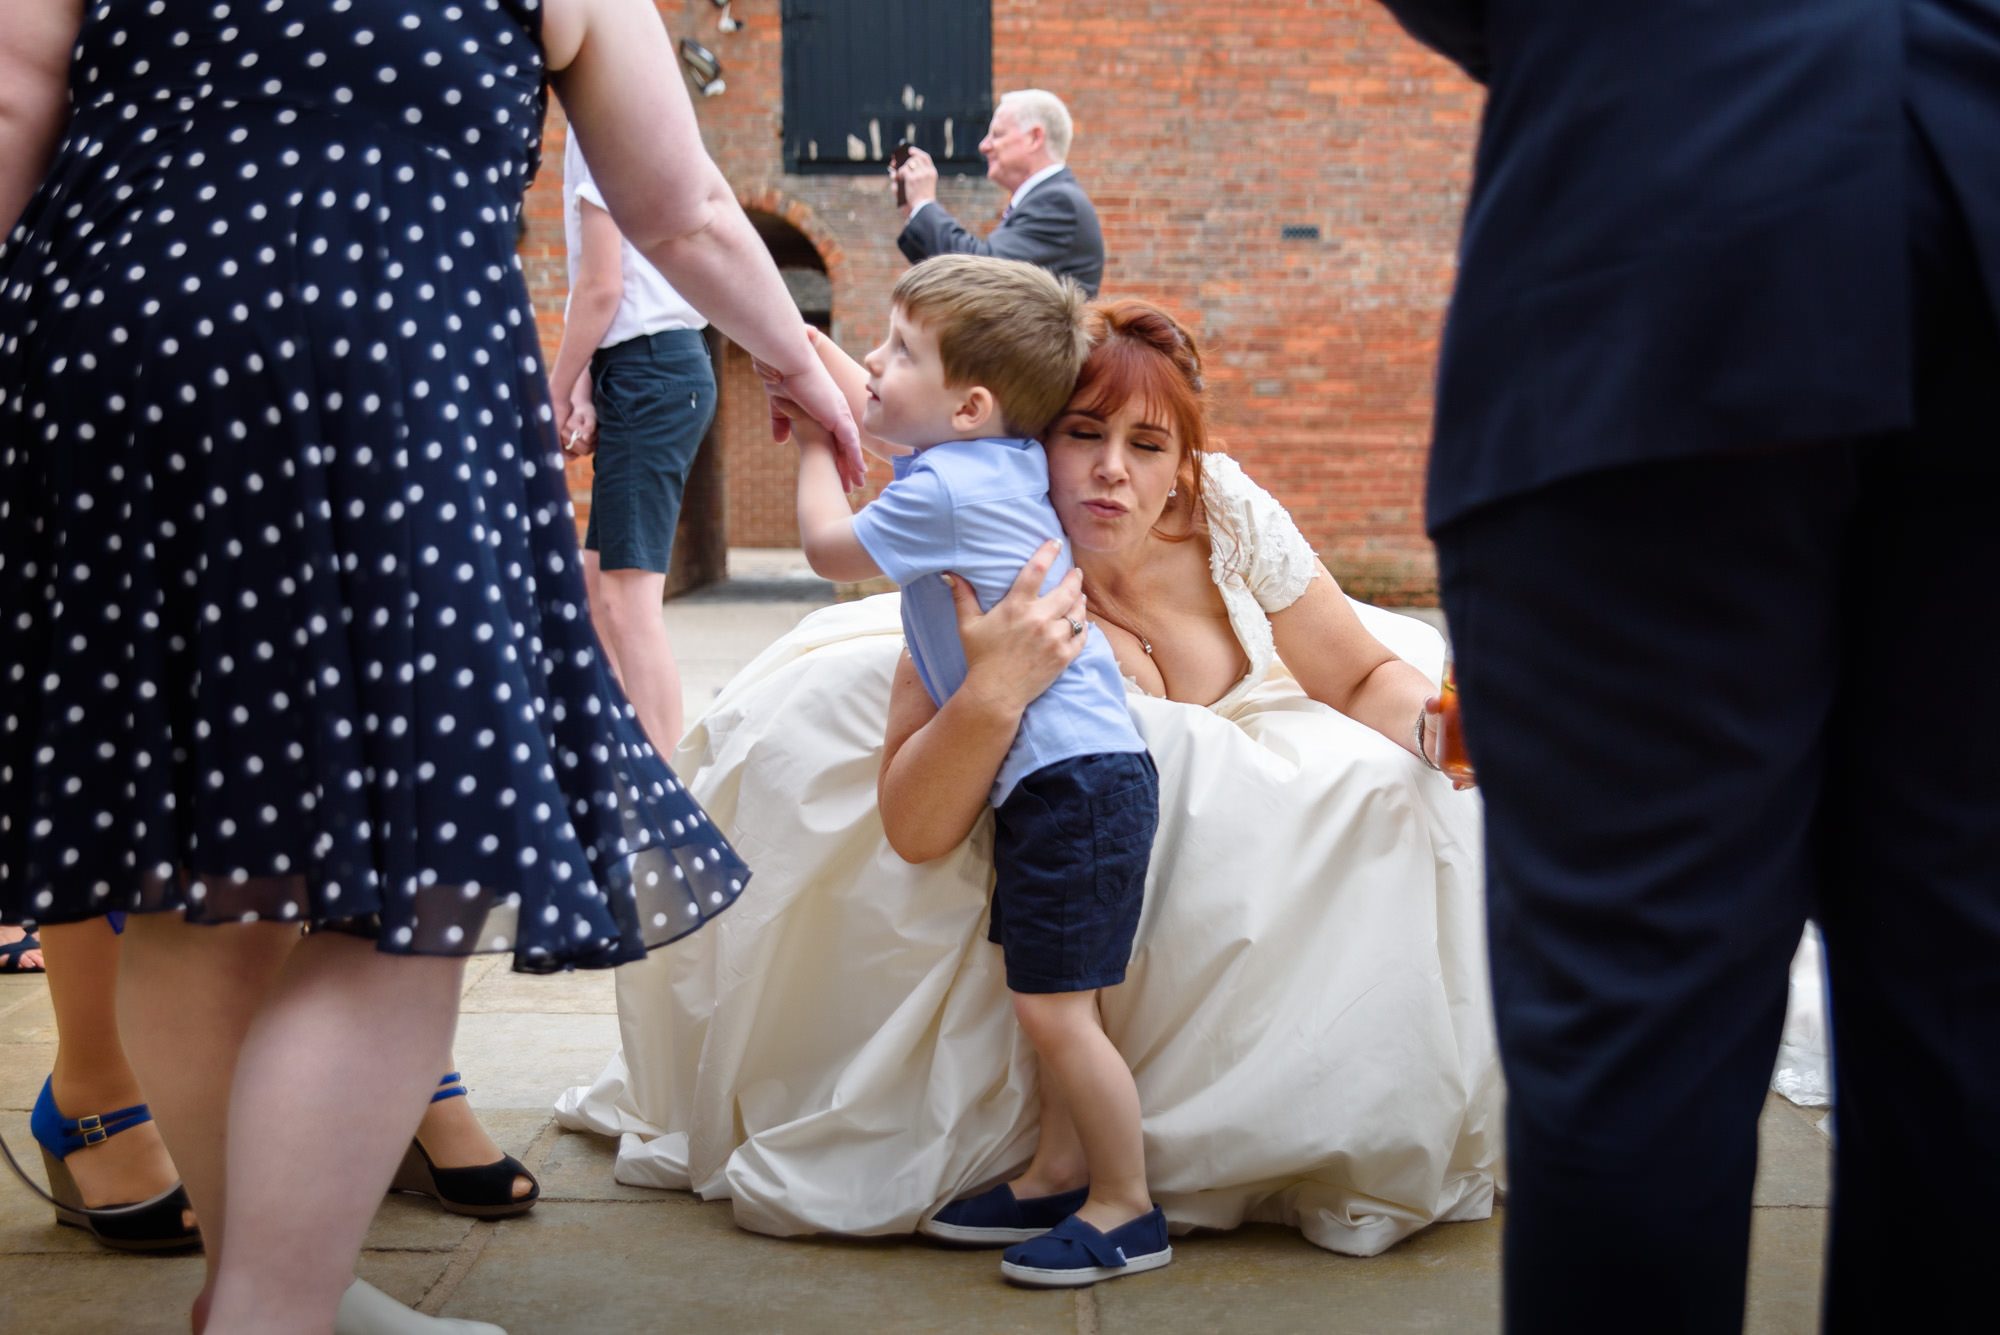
[650, 303]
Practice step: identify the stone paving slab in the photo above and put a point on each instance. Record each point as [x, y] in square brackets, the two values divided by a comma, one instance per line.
[679, 1265]
[1272, 1281]
[28, 1018]
[23, 1068]
[511, 1060]
[100, 1292]
[579, 1167]
[411, 1223]
[1794, 1157]
[1787, 1259]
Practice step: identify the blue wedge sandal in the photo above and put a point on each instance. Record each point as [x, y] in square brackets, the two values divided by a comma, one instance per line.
[154, 1225]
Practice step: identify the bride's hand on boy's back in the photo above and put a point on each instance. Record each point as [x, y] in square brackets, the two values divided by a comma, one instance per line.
[1016, 651]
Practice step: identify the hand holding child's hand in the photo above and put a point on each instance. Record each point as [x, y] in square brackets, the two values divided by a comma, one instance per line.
[797, 421]
[812, 396]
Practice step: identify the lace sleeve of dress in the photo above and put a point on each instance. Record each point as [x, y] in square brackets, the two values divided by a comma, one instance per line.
[1253, 538]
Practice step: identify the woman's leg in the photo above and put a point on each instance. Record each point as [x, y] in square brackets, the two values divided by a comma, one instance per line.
[1059, 1164]
[626, 607]
[91, 1074]
[334, 1072]
[1102, 1098]
[186, 995]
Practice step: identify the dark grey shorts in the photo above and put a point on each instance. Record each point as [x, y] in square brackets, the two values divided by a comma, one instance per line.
[655, 399]
[1071, 845]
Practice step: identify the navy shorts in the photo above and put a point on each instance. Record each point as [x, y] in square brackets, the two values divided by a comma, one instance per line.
[655, 398]
[1070, 848]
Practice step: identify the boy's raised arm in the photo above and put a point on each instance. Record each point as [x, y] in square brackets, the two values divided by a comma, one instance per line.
[826, 525]
[849, 376]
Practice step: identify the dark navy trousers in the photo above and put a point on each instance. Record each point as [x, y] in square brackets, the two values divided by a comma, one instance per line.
[1707, 700]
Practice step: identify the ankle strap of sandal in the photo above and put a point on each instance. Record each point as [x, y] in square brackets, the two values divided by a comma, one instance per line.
[449, 1088]
[70, 1134]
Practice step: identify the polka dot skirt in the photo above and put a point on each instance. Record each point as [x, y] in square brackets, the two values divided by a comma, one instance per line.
[292, 624]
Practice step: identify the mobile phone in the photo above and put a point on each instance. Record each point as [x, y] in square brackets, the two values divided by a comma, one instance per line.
[897, 157]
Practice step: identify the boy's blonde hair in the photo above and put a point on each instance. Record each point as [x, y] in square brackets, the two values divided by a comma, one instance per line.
[1016, 329]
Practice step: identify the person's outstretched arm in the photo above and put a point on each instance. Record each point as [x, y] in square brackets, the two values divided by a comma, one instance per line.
[594, 299]
[36, 37]
[826, 525]
[614, 68]
[1339, 664]
[1043, 230]
[938, 765]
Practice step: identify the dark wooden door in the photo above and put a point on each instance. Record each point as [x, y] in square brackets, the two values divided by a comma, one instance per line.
[861, 74]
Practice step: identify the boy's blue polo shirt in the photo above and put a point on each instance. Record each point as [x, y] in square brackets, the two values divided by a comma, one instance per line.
[979, 509]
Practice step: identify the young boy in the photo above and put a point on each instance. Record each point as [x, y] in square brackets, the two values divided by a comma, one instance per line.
[982, 354]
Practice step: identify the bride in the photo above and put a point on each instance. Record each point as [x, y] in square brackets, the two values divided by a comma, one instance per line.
[1305, 1012]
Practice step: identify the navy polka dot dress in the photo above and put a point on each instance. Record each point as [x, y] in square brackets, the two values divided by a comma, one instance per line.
[294, 626]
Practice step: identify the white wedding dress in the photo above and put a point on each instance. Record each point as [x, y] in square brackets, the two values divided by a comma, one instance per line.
[1306, 1009]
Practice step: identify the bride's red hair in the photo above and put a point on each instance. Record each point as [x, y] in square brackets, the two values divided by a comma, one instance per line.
[1138, 351]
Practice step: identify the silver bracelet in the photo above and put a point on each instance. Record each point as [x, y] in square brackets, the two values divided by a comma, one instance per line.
[1423, 752]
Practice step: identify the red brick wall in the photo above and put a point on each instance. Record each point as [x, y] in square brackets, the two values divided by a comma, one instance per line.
[763, 475]
[1201, 129]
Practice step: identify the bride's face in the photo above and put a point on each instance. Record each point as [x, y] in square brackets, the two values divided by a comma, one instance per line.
[1109, 475]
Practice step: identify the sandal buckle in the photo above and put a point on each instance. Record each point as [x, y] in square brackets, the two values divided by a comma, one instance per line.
[92, 1129]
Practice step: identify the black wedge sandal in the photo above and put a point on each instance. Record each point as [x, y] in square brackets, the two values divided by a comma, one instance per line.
[155, 1225]
[485, 1191]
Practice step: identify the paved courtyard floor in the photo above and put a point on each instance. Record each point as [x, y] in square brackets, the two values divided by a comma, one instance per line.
[596, 1256]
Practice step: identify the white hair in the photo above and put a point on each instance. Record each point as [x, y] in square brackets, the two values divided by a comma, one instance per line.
[1036, 106]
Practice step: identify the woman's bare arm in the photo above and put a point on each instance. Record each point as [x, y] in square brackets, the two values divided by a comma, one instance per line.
[1340, 664]
[36, 37]
[615, 70]
[594, 299]
[938, 764]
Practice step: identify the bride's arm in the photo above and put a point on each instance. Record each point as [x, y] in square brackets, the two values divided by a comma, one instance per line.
[938, 764]
[1340, 664]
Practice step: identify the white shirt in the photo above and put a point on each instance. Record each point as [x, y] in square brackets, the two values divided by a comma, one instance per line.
[650, 303]
[1020, 191]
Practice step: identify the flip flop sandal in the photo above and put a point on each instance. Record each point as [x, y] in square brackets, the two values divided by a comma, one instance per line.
[11, 953]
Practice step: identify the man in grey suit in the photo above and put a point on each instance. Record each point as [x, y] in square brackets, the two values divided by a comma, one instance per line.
[1049, 221]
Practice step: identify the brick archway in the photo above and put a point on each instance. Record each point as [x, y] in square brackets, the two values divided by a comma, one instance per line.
[761, 475]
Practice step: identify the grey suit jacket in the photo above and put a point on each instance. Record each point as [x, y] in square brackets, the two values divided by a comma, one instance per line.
[1055, 227]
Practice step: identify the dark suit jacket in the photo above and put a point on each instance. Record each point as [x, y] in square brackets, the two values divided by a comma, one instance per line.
[1055, 227]
[1687, 230]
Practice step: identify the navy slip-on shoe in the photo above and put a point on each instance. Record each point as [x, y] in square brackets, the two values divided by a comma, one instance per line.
[995, 1218]
[1074, 1254]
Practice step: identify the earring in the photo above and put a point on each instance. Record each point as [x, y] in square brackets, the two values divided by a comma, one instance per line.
[1173, 493]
